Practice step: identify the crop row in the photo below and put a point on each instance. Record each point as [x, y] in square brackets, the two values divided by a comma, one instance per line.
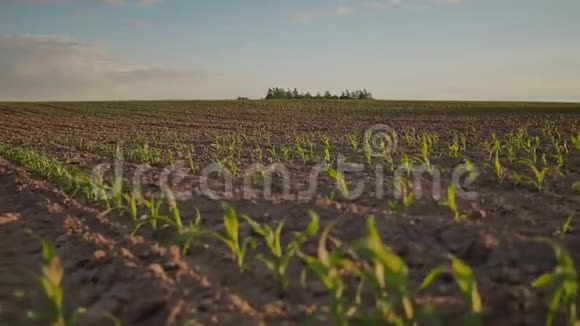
[367, 262]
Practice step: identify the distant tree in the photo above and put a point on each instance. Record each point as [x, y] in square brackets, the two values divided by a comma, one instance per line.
[281, 93]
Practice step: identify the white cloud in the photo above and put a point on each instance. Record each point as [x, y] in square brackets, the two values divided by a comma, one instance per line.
[338, 11]
[38, 67]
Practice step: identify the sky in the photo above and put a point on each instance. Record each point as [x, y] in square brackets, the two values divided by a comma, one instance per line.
[222, 49]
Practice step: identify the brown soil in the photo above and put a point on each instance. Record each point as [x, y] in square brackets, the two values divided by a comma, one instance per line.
[142, 282]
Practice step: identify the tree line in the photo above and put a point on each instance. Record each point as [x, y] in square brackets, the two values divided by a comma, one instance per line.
[288, 94]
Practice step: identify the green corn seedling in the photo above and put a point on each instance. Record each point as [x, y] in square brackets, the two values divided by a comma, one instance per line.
[301, 152]
[326, 266]
[326, 143]
[281, 256]
[339, 180]
[471, 169]
[459, 142]
[368, 156]
[405, 163]
[453, 149]
[233, 167]
[560, 161]
[451, 203]
[70, 179]
[132, 205]
[465, 279]
[153, 205]
[258, 155]
[492, 146]
[390, 162]
[539, 175]
[500, 171]
[510, 151]
[192, 165]
[564, 282]
[286, 153]
[388, 275]
[231, 237]
[189, 234]
[353, 141]
[404, 190]
[531, 147]
[566, 227]
[50, 281]
[273, 153]
[575, 140]
[426, 144]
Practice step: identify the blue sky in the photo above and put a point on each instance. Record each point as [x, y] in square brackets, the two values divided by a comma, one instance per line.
[398, 49]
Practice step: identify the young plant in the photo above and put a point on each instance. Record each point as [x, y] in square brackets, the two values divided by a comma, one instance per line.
[471, 169]
[492, 146]
[192, 165]
[258, 155]
[404, 194]
[451, 203]
[531, 146]
[368, 156]
[50, 280]
[286, 153]
[231, 237]
[189, 234]
[326, 143]
[426, 144]
[339, 179]
[273, 153]
[564, 281]
[405, 163]
[132, 205]
[465, 279]
[353, 141]
[389, 162]
[301, 152]
[538, 174]
[575, 139]
[389, 277]
[500, 171]
[232, 166]
[459, 142]
[453, 149]
[327, 267]
[566, 227]
[560, 161]
[154, 205]
[281, 256]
